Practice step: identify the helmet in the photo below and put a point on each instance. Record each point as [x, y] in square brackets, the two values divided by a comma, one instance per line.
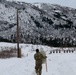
[37, 50]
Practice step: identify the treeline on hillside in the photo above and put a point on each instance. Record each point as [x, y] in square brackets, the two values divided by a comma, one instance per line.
[59, 43]
[52, 42]
[4, 40]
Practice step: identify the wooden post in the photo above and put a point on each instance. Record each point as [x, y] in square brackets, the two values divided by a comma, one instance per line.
[18, 50]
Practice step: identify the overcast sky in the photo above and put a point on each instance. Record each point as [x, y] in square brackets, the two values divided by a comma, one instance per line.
[69, 3]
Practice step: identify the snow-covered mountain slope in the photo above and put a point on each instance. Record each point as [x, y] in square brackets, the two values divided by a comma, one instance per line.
[39, 23]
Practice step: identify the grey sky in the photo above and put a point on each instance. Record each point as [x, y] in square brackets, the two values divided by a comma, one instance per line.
[69, 3]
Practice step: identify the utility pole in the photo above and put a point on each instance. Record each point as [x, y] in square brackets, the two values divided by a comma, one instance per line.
[18, 49]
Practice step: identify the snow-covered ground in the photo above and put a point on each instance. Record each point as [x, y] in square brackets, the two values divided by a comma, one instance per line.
[58, 64]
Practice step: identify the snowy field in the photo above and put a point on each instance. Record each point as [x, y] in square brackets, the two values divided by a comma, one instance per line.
[57, 63]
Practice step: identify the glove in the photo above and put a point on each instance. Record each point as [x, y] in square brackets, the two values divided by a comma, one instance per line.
[45, 56]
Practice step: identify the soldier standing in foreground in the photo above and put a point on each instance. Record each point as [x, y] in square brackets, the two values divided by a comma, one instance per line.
[38, 62]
